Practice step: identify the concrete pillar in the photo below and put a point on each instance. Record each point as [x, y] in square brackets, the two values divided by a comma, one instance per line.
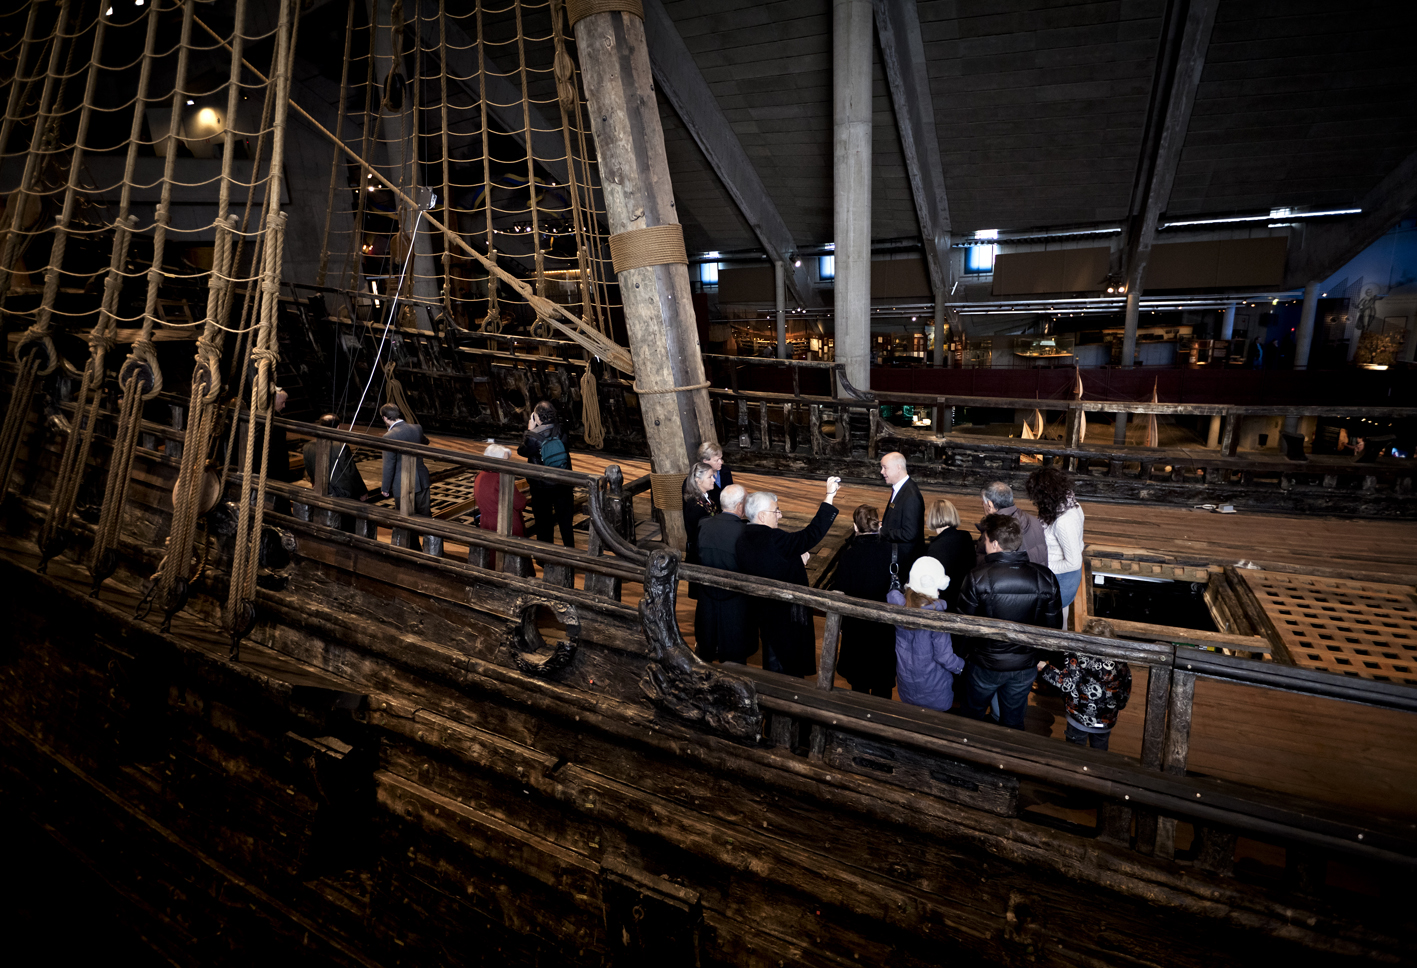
[659, 307]
[939, 329]
[780, 281]
[1212, 439]
[1227, 323]
[852, 48]
[1129, 333]
[398, 137]
[1304, 338]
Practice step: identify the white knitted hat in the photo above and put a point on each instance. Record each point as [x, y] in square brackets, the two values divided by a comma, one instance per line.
[927, 577]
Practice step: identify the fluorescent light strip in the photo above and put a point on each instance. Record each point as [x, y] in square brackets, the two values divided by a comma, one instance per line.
[1262, 218]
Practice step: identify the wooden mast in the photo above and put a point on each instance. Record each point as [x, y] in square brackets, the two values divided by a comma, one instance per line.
[647, 243]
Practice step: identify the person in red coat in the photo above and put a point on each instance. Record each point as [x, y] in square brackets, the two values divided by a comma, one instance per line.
[487, 489]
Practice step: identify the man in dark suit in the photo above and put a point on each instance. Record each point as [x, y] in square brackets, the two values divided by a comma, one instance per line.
[711, 454]
[903, 524]
[399, 429]
[723, 628]
[766, 551]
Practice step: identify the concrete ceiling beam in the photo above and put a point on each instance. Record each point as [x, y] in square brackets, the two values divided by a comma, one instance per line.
[903, 54]
[1185, 41]
[1323, 249]
[683, 85]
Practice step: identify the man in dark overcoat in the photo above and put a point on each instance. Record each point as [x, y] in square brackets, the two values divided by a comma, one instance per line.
[723, 627]
[766, 551]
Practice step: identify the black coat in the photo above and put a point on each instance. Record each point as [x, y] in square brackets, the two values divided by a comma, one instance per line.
[345, 480]
[723, 624]
[725, 478]
[954, 549]
[903, 525]
[788, 635]
[694, 515]
[867, 657]
[1008, 586]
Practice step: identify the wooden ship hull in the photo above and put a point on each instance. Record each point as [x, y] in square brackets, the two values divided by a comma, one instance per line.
[420, 759]
[265, 736]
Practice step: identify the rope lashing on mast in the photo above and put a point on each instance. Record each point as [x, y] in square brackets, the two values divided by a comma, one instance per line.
[653, 245]
[578, 10]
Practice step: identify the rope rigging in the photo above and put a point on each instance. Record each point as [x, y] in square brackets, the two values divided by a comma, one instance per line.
[520, 239]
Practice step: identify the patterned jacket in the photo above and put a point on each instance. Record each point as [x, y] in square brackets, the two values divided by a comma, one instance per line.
[1094, 690]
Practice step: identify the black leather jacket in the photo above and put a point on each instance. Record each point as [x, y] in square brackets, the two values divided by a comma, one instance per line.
[1010, 587]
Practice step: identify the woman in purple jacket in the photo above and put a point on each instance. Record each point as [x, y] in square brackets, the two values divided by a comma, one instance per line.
[925, 660]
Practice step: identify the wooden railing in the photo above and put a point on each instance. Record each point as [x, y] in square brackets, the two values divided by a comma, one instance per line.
[821, 723]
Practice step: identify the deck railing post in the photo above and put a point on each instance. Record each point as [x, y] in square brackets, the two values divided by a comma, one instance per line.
[1153, 743]
[831, 637]
[1176, 749]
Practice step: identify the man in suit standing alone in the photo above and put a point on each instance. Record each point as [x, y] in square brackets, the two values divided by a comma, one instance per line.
[399, 429]
[903, 524]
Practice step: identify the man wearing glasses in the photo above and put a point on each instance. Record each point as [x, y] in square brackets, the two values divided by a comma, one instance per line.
[766, 551]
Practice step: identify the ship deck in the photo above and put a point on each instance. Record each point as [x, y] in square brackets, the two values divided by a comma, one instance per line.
[1327, 750]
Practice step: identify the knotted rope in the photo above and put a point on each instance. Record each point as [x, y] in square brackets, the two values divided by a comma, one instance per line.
[140, 376]
[592, 429]
[54, 532]
[240, 604]
[393, 393]
[175, 570]
[102, 339]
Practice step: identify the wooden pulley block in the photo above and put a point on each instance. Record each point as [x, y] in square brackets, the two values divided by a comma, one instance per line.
[209, 491]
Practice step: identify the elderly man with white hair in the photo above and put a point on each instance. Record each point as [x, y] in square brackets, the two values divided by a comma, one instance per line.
[723, 627]
[766, 551]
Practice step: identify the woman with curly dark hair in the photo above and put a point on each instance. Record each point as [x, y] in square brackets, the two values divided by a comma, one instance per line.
[1061, 516]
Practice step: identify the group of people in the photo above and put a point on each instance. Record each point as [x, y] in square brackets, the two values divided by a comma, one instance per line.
[552, 504]
[1022, 568]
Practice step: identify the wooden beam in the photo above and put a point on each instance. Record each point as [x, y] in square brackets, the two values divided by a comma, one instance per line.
[1184, 41]
[903, 54]
[639, 195]
[683, 85]
[1323, 248]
